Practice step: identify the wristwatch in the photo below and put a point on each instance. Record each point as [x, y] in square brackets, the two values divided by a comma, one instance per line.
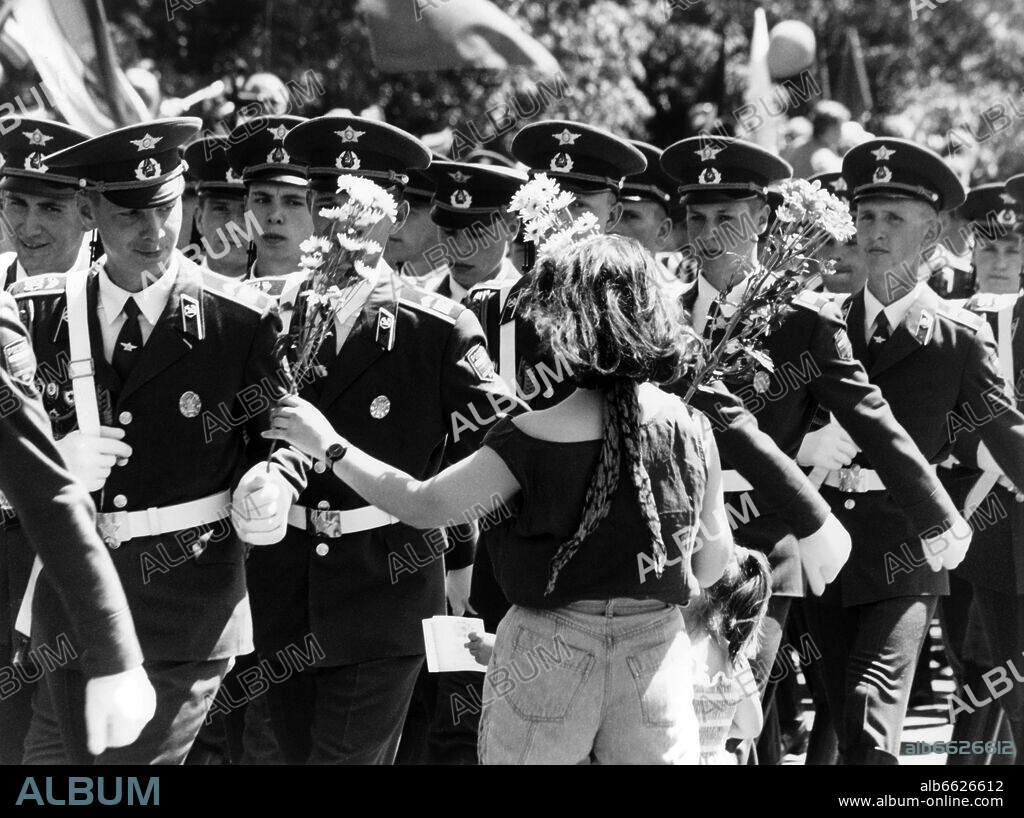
[334, 453]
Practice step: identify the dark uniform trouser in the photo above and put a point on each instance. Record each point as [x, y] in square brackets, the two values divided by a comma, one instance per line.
[1002, 615]
[16, 557]
[869, 653]
[184, 692]
[351, 714]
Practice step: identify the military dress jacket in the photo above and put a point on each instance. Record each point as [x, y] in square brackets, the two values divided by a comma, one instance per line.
[192, 408]
[939, 373]
[412, 386]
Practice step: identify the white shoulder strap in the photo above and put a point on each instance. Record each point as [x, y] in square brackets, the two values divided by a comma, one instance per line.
[507, 344]
[83, 371]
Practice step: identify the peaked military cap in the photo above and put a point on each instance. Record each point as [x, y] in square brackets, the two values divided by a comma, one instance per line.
[139, 166]
[992, 210]
[1015, 190]
[330, 146]
[468, 193]
[257, 151]
[834, 183]
[713, 168]
[209, 166]
[23, 146]
[899, 168]
[652, 183]
[582, 157]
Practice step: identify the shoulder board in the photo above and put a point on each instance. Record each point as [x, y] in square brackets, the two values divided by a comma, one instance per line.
[956, 312]
[49, 284]
[810, 300]
[236, 291]
[430, 303]
[271, 285]
[991, 302]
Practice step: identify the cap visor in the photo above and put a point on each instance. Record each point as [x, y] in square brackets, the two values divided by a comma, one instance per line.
[147, 197]
[453, 220]
[36, 187]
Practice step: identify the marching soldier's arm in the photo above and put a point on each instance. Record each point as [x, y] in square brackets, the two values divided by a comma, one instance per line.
[983, 398]
[470, 388]
[775, 477]
[58, 515]
[843, 388]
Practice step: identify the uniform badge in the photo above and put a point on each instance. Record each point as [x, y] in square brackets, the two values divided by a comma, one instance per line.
[34, 161]
[192, 316]
[69, 397]
[843, 347]
[347, 160]
[882, 175]
[924, 328]
[51, 390]
[278, 156]
[709, 176]
[561, 162]
[189, 404]
[480, 361]
[147, 143]
[231, 176]
[379, 407]
[147, 169]
[385, 336]
[350, 134]
[461, 198]
[21, 363]
[761, 382]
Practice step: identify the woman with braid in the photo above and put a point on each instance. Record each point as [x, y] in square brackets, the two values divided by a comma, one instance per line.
[612, 494]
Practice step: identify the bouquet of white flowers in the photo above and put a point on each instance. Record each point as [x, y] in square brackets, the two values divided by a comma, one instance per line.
[808, 216]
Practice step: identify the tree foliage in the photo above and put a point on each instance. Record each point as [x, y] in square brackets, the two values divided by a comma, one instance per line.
[633, 66]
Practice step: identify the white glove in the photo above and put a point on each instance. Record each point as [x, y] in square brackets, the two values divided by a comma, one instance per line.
[117, 707]
[829, 448]
[985, 460]
[948, 549]
[260, 504]
[824, 553]
[457, 584]
[90, 458]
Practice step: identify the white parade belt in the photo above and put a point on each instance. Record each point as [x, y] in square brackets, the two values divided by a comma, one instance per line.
[331, 523]
[733, 481]
[855, 480]
[116, 527]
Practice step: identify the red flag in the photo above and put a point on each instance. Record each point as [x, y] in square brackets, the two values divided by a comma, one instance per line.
[69, 46]
[428, 35]
[851, 85]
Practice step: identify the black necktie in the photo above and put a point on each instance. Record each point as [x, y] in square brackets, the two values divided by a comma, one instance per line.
[878, 338]
[129, 341]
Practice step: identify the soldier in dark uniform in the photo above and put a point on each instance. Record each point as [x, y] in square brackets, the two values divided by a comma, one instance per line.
[275, 193]
[223, 230]
[405, 249]
[160, 424]
[724, 182]
[993, 566]
[936, 365]
[38, 202]
[49, 237]
[409, 378]
[646, 201]
[59, 519]
[474, 227]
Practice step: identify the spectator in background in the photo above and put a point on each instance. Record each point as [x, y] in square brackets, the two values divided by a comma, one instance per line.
[822, 152]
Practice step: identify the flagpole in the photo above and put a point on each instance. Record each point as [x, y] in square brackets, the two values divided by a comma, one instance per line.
[105, 60]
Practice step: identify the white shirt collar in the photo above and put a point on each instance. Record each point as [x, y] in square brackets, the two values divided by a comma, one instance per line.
[152, 300]
[894, 312]
[507, 273]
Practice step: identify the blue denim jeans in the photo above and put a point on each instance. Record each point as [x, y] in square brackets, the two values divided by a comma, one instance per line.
[604, 682]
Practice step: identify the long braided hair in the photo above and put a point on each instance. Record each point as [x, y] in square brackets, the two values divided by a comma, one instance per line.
[600, 308]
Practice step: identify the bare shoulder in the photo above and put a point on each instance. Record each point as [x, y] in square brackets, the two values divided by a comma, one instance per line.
[579, 417]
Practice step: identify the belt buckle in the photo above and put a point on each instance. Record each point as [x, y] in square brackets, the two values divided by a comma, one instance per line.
[325, 522]
[109, 525]
[850, 480]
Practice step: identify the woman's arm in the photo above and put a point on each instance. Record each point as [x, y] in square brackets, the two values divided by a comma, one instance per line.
[714, 538]
[748, 719]
[475, 485]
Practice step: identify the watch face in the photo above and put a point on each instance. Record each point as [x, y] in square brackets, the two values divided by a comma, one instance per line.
[335, 452]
